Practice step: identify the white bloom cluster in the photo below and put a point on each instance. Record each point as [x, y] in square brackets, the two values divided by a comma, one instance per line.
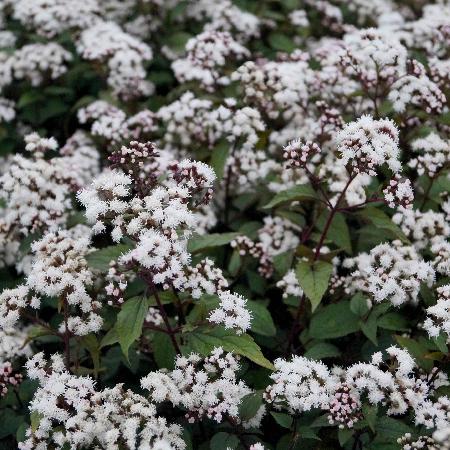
[434, 154]
[124, 54]
[52, 17]
[441, 252]
[422, 228]
[290, 285]
[38, 62]
[438, 315]
[373, 56]
[204, 277]
[276, 86]
[204, 386]
[368, 143]
[232, 312]
[399, 192]
[224, 15]
[245, 246]
[392, 272]
[60, 270]
[112, 124]
[418, 91]
[35, 190]
[163, 258]
[72, 413]
[278, 235]
[206, 54]
[13, 344]
[7, 110]
[300, 385]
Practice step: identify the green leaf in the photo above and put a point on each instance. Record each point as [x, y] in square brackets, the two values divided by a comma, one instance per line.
[262, 322]
[93, 347]
[222, 440]
[100, 259]
[250, 405]
[313, 277]
[9, 422]
[283, 262]
[199, 243]
[30, 97]
[417, 350]
[393, 321]
[344, 435]
[219, 157]
[338, 231]
[359, 305]
[370, 414]
[333, 321]
[369, 328]
[322, 350]
[382, 221]
[130, 320]
[298, 192]
[110, 338]
[203, 340]
[163, 351]
[389, 430]
[177, 41]
[282, 419]
[281, 42]
[35, 418]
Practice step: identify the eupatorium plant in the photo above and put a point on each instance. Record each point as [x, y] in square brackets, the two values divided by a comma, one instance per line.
[224, 225]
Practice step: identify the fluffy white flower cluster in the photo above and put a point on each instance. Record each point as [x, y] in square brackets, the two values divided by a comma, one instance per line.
[392, 272]
[302, 384]
[206, 54]
[204, 277]
[232, 312]
[72, 413]
[434, 154]
[422, 228]
[124, 55]
[59, 270]
[38, 62]
[399, 192]
[368, 143]
[290, 285]
[52, 17]
[112, 124]
[278, 235]
[277, 86]
[204, 386]
[37, 192]
[438, 315]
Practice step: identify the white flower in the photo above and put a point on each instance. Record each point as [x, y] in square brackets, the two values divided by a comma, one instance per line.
[232, 312]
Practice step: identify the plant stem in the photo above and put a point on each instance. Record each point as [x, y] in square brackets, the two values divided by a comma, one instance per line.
[66, 333]
[302, 303]
[170, 331]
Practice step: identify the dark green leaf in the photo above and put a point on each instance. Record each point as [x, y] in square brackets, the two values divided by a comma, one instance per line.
[298, 192]
[333, 321]
[100, 259]
[130, 320]
[203, 340]
[222, 440]
[282, 419]
[198, 243]
[313, 277]
[262, 322]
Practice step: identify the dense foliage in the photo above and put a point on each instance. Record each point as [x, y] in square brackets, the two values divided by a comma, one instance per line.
[224, 224]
